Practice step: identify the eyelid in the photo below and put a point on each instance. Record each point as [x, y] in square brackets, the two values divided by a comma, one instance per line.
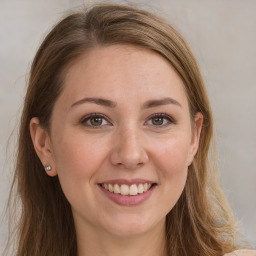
[89, 116]
[170, 119]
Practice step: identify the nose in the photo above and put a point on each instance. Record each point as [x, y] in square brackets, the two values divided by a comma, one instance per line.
[128, 150]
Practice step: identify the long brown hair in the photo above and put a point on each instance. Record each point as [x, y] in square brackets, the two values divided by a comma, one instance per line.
[200, 223]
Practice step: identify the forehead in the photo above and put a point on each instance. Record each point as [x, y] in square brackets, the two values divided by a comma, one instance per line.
[116, 70]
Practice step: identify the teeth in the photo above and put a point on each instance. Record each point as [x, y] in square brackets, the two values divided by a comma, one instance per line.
[116, 189]
[140, 188]
[126, 190]
[133, 190]
[110, 188]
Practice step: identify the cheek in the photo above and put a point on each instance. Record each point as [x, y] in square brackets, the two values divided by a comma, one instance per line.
[172, 156]
[77, 161]
[78, 158]
[171, 162]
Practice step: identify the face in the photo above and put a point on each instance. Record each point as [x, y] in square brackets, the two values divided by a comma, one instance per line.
[121, 140]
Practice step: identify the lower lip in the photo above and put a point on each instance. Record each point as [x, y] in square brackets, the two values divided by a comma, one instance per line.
[127, 200]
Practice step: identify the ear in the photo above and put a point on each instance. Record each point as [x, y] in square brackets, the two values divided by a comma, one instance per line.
[42, 145]
[196, 131]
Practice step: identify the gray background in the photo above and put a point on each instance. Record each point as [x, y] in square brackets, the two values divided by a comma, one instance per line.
[222, 34]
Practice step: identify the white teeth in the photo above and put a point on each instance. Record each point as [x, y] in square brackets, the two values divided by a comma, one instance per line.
[140, 188]
[110, 187]
[126, 190]
[133, 190]
[116, 189]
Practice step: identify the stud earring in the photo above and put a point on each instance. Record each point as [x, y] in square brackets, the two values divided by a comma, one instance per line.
[47, 168]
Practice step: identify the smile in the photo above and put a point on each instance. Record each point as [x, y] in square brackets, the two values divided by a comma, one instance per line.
[127, 190]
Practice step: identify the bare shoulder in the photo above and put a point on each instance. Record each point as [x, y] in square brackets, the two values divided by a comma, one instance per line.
[243, 252]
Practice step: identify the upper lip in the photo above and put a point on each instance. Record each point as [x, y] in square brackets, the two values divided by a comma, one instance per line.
[127, 181]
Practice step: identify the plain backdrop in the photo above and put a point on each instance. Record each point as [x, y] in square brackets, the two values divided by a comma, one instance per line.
[222, 34]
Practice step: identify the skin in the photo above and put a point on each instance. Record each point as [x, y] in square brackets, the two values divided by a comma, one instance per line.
[128, 144]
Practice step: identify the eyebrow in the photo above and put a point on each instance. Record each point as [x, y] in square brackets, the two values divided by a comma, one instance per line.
[98, 101]
[112, 104]
[160, 102]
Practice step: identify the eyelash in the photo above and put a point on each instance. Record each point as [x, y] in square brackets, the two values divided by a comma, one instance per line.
[165, 116]
[87, 118]
[91, 116]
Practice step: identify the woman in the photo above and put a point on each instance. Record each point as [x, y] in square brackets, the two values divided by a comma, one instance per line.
[114, 140]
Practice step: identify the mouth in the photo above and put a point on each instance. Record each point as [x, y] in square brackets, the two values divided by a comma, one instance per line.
[128, 190]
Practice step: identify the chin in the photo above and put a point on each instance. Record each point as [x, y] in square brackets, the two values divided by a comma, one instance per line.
[133, 226]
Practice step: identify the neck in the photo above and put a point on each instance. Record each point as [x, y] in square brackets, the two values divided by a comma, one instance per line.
[93, 243]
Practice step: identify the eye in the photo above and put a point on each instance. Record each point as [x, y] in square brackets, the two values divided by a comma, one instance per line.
[160, 119]
[95, 120]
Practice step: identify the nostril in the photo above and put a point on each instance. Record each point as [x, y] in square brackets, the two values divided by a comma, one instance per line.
[129, 165]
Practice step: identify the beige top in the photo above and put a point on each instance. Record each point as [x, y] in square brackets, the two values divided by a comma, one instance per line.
[243, 252]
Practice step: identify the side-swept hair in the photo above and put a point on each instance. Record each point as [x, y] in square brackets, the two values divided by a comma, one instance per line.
[201, 222]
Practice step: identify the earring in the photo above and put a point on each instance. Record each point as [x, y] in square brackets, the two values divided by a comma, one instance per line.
[47, 168]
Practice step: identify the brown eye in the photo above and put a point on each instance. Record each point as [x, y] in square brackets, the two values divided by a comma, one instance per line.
[160, 120]
[95, 121]
[157, 120]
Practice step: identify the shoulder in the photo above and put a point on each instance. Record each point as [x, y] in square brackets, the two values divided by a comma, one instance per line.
[243, 252]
